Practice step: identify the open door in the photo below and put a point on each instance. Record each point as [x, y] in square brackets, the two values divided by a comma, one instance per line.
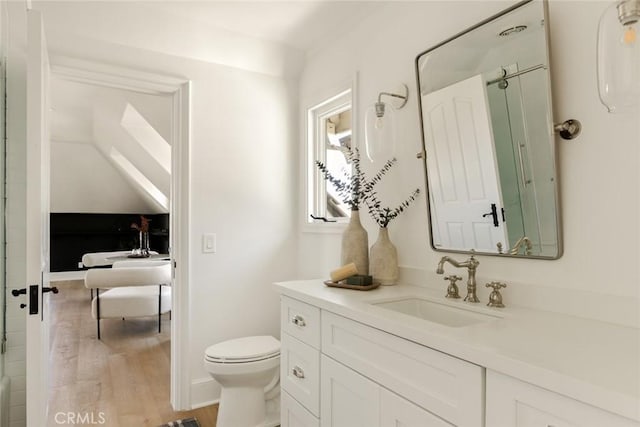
[463, 175]
[37, 222]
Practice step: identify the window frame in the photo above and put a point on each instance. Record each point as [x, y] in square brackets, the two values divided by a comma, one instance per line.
[314, 115]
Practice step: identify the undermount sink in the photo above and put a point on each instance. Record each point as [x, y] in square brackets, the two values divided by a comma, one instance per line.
[436, 312]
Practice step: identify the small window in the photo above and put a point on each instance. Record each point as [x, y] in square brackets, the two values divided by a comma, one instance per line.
[329, 140]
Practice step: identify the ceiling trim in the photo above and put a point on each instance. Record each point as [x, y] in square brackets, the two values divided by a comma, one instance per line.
[95, 73]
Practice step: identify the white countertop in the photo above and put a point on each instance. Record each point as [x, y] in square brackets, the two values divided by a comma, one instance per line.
[595, 362]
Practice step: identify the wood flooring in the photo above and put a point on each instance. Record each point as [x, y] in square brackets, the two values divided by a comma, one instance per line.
[119, 381]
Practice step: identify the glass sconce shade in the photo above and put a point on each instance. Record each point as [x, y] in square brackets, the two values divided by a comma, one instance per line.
[379, 123]
[618, 56]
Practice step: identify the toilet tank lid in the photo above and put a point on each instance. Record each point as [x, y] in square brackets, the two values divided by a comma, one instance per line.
[244, 348]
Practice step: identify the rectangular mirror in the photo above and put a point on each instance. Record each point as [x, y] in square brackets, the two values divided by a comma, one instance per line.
[488, 141]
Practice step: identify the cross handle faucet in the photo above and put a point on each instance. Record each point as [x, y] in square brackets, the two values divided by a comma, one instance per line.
[471, 265]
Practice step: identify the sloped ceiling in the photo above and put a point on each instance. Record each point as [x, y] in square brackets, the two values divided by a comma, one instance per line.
[270, 37]
[304, 25]
[102, 121]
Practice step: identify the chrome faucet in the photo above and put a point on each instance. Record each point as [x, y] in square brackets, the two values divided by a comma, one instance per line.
[524, 240]
[471, 265]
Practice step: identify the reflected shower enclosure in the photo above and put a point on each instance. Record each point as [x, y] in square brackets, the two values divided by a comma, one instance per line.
[524, 172]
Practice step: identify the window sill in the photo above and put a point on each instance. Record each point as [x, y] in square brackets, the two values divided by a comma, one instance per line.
[324, 227]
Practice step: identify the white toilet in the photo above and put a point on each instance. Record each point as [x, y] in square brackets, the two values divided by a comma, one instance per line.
[248, 370]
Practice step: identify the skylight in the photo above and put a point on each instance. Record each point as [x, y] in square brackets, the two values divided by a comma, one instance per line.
[148, 138]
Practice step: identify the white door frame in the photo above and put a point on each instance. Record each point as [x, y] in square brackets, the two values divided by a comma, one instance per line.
[37, 219]
[180, 207]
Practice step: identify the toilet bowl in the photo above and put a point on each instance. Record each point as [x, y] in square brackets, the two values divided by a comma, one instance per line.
[248, 371]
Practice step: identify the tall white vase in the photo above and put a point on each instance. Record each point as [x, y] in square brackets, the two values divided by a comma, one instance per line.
[355, 244]
[384, 259]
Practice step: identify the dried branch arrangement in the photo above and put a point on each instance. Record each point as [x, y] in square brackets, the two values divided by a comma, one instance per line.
[355, 188]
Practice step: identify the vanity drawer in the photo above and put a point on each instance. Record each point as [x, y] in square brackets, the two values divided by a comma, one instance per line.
[293, 414]
[301, 321]
[444, 385]
[300, 372]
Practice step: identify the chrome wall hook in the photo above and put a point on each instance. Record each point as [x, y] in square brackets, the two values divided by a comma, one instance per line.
[569, 129]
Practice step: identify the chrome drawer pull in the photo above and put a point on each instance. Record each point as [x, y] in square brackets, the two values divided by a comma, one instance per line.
[298, 320]
[297, 372]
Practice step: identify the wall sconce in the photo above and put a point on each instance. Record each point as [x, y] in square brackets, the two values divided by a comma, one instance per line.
[619, 56]
[379, 122]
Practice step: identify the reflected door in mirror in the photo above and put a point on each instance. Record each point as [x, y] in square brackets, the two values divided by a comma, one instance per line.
[463, 177]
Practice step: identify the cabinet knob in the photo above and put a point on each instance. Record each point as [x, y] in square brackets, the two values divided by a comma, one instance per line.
[298, 321]
[297, 372]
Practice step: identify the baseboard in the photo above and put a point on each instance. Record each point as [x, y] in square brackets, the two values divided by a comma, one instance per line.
[204, 392]
[623, 311]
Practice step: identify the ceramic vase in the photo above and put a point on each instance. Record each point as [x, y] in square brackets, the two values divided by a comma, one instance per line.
[355, 244]
[384, 259]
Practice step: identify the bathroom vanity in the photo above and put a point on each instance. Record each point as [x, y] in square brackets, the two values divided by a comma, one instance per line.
[402, 355]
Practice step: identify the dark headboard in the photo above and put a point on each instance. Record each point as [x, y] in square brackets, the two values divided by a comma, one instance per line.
[74, 234]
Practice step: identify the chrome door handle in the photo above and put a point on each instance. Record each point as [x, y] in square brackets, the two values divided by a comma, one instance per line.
[297, 372]
[298, 321]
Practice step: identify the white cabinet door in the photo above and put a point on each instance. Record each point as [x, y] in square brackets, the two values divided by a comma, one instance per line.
[449, 387]
[515, 403]
[396, 411]
[293, 414]
[347, 398]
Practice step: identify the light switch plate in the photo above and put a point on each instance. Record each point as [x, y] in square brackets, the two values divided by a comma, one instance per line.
[209, 243]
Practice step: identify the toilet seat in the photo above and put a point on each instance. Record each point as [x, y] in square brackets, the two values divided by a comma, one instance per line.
[244, 350]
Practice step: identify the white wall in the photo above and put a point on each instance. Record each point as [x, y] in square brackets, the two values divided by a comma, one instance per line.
[243, 161]
[598, 275]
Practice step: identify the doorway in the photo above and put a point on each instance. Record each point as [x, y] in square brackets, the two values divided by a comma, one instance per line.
[110, 166]
[175, 94]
